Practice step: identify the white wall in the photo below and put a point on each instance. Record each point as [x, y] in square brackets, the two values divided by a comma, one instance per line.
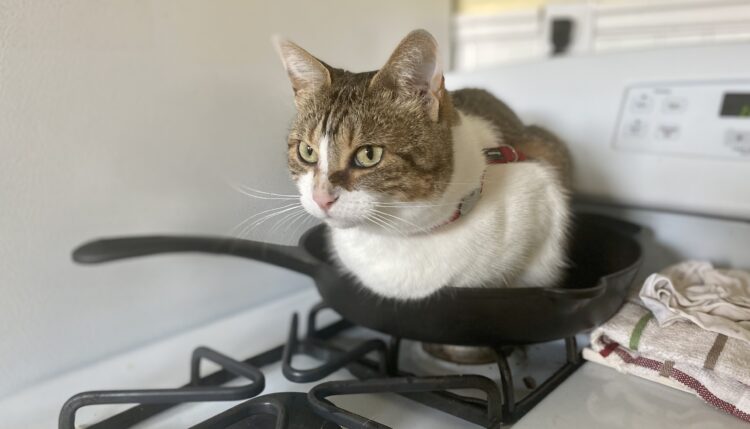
[126, 117]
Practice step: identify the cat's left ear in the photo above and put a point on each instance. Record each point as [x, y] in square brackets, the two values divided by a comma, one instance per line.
[414, 69]
[307, 74]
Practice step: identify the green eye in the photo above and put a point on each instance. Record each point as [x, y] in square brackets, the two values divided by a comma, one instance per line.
[368, 156]
[307, 153]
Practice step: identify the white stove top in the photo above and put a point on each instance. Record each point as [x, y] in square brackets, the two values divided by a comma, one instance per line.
[592, 397]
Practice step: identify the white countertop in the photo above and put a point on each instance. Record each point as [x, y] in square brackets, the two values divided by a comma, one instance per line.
[596, 396]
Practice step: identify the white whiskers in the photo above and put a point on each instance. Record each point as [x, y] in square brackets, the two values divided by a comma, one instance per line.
[253, 216]
[383, 214]
[288, 214]
[251, 227]
[262, 195]
[284, 219]
[412, 205]
[376, 219]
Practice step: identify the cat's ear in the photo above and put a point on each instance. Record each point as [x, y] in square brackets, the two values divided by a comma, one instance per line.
[414, 68]
[307, 74]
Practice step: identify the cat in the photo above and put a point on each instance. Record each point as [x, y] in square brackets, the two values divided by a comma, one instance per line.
[392, 162]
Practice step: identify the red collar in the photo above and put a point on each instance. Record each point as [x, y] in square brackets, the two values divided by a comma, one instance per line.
[504, 154]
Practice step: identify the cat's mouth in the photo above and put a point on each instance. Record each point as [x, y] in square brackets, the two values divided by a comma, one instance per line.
[337, 217]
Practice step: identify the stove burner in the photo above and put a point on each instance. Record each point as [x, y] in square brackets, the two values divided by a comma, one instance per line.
[297, 410]
[466, 355]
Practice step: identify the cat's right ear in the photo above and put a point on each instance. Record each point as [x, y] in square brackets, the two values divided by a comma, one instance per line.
[307, 74]
[414, 69]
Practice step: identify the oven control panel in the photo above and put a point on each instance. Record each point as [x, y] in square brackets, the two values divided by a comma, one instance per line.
[705, 119]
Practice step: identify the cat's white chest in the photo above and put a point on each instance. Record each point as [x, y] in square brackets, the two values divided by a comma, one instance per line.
[395, 266]
[463, 253]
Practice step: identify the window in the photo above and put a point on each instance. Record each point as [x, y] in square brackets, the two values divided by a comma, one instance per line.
[489, 32]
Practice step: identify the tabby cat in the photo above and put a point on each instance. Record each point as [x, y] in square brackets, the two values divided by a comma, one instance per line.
[397, 168]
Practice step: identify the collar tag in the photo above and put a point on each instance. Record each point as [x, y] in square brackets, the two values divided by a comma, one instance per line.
[469, 201]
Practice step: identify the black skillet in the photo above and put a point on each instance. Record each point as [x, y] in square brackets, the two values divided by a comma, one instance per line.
[604, 258]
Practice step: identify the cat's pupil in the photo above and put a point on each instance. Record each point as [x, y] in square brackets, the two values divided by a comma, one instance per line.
[309, 150]
[369, 152]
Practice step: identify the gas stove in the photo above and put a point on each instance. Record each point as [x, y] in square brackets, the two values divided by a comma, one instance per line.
[293, 385]
[590, 397]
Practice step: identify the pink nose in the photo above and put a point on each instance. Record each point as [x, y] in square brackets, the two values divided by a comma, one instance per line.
[324, 200]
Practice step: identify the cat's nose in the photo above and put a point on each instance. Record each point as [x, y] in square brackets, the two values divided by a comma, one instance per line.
[324, 200]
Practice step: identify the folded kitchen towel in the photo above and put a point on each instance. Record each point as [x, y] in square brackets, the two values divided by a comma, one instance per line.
[714, 299]
[710, 365]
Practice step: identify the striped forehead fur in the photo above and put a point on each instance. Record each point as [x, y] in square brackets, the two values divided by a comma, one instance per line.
[352, 112]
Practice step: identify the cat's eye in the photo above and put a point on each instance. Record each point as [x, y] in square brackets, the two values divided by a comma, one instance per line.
[368, 156]
[307, 153]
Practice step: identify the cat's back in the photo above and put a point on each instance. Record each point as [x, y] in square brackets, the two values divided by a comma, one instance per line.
[478, 102]
[536, 142]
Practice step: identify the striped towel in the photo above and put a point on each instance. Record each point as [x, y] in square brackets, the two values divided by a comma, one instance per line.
[710, 365]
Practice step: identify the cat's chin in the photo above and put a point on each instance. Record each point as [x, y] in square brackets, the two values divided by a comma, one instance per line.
[341, 223]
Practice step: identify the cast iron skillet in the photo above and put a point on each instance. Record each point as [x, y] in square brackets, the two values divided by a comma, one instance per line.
[604, 259]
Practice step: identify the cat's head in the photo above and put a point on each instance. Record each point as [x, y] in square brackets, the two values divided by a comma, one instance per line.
[364, 144]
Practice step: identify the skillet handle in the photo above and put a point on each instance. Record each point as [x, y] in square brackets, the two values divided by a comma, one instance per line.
[112, 249]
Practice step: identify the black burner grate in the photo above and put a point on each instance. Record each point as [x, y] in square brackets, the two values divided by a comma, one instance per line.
[299, 410]
[194, 392]
[148, 409]
[275, 411]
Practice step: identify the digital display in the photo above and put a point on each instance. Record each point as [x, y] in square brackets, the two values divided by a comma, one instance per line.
[736, 105]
